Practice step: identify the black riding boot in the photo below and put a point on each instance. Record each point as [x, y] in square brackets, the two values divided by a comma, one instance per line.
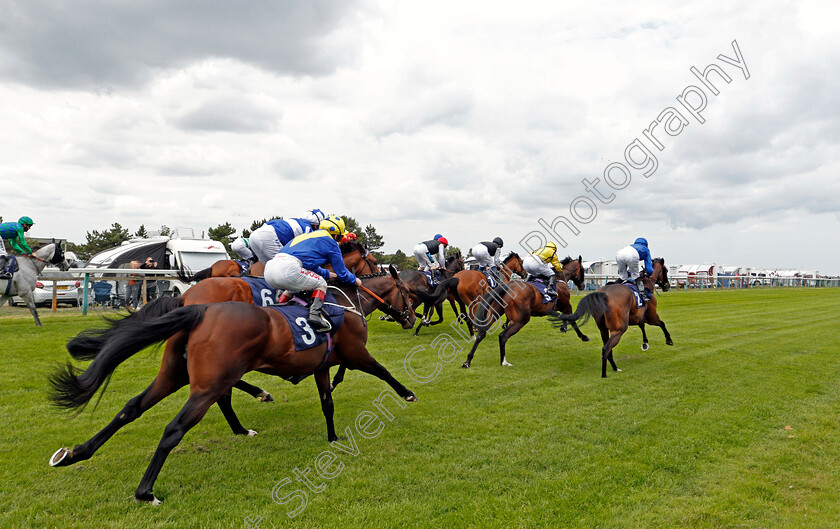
[3, 273]
[643, 291]
[551, 288]
[317, 317]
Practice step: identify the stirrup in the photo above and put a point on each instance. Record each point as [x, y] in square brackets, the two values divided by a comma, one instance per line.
[319, 323]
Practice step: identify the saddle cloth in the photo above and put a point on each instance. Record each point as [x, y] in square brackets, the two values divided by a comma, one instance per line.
[633, 288]
[543, 289]
[11, 268]
[264, 294]
[428, 275]
[296, 313]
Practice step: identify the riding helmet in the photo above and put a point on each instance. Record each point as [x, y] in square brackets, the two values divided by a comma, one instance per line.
[333, 224]
[25, 220]
[499, 241]
[642, 241]
[443, 240]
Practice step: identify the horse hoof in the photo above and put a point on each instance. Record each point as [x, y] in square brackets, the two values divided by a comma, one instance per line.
[465, 365]
[411, 398]
[147, 498]
[669, 342]
[252, 433]
[61, 458]
[618, 370]
[265, 397]
[584, 338]
[645, 346]
[507, 364]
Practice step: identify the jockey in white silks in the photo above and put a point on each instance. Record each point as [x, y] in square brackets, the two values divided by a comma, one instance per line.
[267, 240]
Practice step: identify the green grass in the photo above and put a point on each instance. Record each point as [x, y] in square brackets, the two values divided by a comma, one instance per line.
[735, 426]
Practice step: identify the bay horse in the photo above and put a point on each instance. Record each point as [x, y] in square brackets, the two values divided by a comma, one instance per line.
[211, 290]
[210, 347]
[468, 285]
[23, 281]
[519, 301]
[614, 309]
[231, 268]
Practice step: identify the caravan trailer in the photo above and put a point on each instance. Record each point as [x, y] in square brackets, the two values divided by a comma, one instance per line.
[171, 253]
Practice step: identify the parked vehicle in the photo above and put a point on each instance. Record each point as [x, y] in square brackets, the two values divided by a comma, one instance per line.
[66, 292]
[171, 253]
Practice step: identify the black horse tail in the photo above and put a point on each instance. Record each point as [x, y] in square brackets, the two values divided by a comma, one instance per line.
[73, 389]
[446, 288]
[183, 274]
[594, 305]
[87, 344]
[490, 307]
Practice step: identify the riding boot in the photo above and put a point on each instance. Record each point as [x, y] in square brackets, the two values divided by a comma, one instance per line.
[551, 289]
[317, 317]
[3, 273]
[643, 291]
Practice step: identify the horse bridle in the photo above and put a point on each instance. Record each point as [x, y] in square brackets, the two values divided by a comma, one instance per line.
[387, 308]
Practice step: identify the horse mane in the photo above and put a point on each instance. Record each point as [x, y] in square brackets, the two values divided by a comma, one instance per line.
[659, 260]
[350, 246]
[512, 254]
[566, 260]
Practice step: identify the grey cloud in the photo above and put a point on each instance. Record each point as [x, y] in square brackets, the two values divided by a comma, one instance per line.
[229, 115]
[410, 116]
[94, 43]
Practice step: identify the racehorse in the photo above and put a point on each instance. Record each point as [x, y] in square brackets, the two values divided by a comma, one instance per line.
[210, 347]
[519, 301]
[211, 290]
[231, 268]
[421, 291]
[468, 285]
[23, 281]
[614, 309]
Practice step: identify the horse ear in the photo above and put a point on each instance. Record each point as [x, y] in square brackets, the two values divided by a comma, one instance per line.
[580, 258]
[393, 272]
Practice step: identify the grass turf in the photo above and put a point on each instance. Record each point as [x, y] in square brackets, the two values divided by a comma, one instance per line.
[734, 426]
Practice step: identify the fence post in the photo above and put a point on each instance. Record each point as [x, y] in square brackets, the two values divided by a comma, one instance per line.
[85, 294]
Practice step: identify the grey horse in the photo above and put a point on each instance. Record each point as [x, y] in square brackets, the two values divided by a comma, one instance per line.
[23, 281]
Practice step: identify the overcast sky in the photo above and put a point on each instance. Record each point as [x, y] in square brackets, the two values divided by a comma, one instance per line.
[471, 119]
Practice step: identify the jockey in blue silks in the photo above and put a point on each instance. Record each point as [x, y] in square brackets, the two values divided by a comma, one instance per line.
[299, 266]
[269, 238]
[628, 265]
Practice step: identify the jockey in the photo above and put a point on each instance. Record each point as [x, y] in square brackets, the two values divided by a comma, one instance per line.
[14, 232]
[628, 265]
[431, 254]
[544, 264]
[487, 255]
[243, 248]
[299, 267]
[269, 238]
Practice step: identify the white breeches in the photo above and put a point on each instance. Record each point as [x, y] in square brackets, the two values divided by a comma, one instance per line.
[421, 253]
[286, 272]
[241, 248]
[536, 266]
[264, 243]
[628, 263]
[483, 257]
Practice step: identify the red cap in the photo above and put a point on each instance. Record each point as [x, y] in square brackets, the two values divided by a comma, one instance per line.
[443, 241]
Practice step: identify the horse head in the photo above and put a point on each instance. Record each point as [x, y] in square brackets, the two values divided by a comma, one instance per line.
[392, 294]
[660, 274]
[513, 263]
[575, 269]
[56, 256]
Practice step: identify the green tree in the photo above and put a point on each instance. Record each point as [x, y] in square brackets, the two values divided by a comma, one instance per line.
[224, 233]
[400, 260]
[372, 240]
[164, 230]
[141, 232]
[452, 250]
[351, 226]
[98, 241]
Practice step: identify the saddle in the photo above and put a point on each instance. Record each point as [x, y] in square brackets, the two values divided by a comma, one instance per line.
[539, 284]
[636, 294]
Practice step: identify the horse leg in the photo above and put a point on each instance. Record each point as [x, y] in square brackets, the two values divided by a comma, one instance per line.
[645, 345]
[583, 337]
[653, 318]
[30, 304]
[439, 309]
[606, 352]
[339, 376]
[172, 377]
[192, 412]
[322, 380]
[510, 330]
[362, 360]
[259, 394]
[478, 337]
[232, 420]
[668, 340]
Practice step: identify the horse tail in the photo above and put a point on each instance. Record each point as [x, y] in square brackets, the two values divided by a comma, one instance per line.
[73, 389]
[446, 288]
[592, 305]
[184, 275]
[490, 302]
[87, 344]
